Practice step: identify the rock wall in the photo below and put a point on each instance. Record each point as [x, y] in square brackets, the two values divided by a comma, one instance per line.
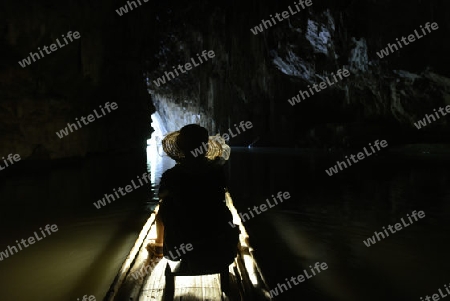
[253, 76]
[106, 64]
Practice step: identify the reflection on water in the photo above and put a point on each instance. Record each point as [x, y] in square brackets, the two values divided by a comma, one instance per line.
[83, 257]
[325, 220]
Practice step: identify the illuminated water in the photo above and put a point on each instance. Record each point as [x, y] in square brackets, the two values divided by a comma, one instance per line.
[326, 220]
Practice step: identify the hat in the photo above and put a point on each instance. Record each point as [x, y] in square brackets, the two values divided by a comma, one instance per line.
[193, 139]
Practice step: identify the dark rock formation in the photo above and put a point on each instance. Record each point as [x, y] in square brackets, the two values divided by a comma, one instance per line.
[104, 65]
[253, 76]
[250, 78]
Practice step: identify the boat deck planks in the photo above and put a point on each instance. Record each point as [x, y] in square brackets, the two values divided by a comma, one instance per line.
[246, 280]
[187, 288]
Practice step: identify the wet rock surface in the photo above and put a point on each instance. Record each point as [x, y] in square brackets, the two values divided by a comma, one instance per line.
[251, 77]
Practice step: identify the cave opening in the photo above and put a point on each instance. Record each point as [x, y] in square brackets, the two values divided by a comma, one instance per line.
[342, 106]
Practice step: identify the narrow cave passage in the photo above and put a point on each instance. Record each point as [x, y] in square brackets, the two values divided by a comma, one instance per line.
[333, 127]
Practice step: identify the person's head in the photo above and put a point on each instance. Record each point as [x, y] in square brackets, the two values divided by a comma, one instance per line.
[193, 141]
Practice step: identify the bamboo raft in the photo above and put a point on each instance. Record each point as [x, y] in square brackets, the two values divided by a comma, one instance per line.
[142, 275]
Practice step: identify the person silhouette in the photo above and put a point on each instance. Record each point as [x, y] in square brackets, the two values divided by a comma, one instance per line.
[192, 210]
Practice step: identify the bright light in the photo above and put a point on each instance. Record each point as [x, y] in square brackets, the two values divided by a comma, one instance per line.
[157, 160]
[249, 264]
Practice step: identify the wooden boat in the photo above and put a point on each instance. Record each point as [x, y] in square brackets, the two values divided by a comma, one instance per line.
[142, 275]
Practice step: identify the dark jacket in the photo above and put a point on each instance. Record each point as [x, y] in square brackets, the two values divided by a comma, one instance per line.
[193, 210]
